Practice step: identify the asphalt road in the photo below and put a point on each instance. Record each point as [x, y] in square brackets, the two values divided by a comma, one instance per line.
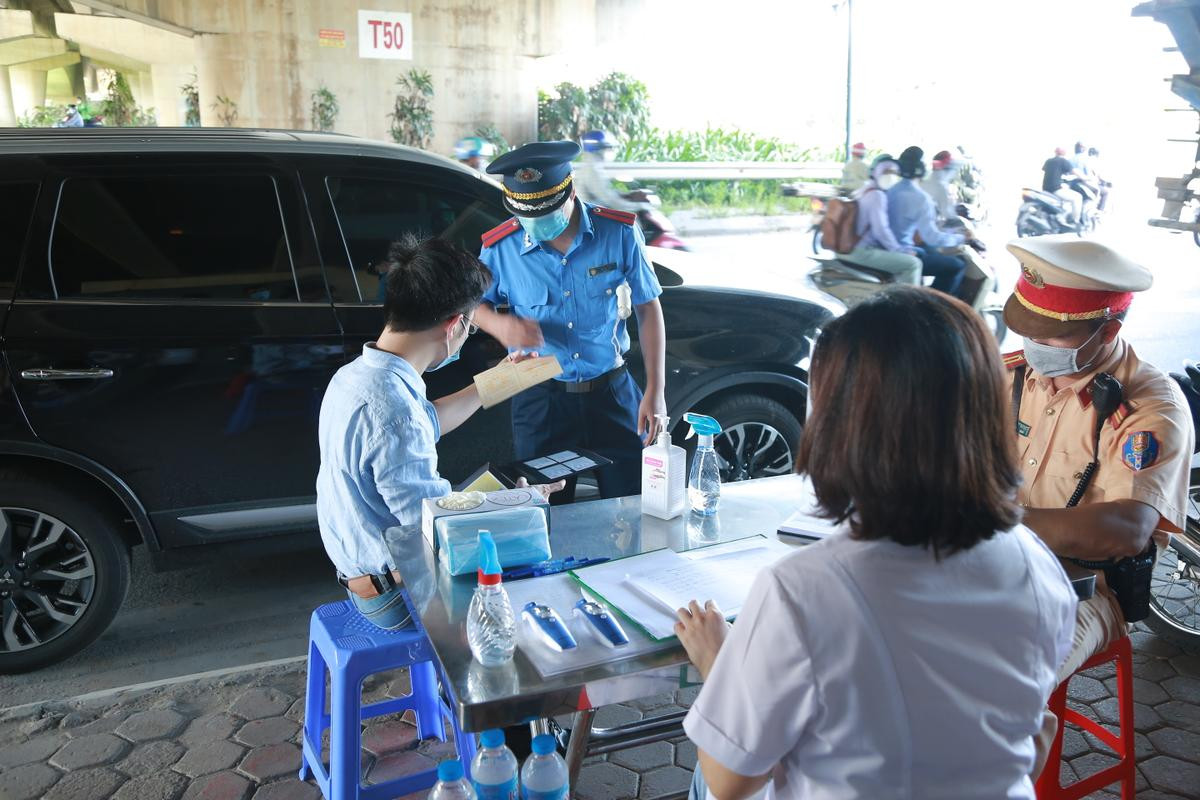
[227, 615]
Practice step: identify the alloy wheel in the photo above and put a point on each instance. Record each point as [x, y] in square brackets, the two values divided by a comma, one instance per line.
[752, 450]
[47, 578]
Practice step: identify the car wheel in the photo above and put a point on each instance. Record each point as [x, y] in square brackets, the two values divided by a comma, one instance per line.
[1175, 584]
[759, 437]
[64, 572]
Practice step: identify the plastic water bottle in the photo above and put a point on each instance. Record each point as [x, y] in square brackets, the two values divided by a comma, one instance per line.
[544, 776]
[494, 770]
[451, 784]
[491, 624]
[704, 482]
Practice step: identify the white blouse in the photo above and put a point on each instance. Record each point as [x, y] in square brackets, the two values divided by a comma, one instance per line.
[870, 670]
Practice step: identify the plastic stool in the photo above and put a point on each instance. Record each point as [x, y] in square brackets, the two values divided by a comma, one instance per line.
[343, 642]
[1048, 787]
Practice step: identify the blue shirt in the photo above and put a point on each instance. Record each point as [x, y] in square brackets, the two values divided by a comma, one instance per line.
[378, 435]
[911, 210]
[573, 297]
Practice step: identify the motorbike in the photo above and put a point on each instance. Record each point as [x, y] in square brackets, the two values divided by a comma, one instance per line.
[1043, 213]
[1175, 584]
[852, 283]
[656, 227]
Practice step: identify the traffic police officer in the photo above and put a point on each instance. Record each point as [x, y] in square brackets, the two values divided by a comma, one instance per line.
[566, 274]
[1069, 304]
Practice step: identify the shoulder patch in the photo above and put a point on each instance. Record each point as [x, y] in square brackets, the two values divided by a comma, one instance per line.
[624, 217]
[1118, 416]
[1140, 450]
[502, 230]
[1014, 359]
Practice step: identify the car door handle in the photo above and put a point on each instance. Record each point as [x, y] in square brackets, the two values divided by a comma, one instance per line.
[44, 374]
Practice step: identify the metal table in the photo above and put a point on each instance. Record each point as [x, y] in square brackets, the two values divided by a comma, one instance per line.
[498, 697]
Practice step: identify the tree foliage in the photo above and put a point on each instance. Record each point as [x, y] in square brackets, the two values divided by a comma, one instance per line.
[412, 114]
[617, 103]
[324, 109]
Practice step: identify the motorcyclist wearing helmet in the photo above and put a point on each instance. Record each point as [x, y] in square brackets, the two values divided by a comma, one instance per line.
[939, 186]
[592, 182]
[856, 172]
[474, 151]
[1055, 170]
[911, 211]
[877, 247]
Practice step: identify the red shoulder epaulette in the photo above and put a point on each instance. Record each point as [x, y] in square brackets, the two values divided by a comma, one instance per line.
[1118, 416]
[497, 233]
[1014, 359]
[624, 217]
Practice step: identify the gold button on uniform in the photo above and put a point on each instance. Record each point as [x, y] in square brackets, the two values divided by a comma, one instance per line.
[1049, 412]
[1033, 462]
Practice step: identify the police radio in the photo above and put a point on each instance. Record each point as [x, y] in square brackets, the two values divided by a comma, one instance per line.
[1129, 578]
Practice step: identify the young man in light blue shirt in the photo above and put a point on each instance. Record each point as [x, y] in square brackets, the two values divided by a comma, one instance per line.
[378, 431]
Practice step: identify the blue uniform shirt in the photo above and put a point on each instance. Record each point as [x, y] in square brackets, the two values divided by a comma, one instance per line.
[911, 209]
[378, 435]
[574, 297]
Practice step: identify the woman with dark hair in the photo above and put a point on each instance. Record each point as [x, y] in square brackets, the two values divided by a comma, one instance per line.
[909, 655]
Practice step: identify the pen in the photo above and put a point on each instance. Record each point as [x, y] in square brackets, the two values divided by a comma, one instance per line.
[551, 567]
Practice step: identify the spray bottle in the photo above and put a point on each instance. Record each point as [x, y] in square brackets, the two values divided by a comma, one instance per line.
[663, 468]
[491, 624]
[704, 483]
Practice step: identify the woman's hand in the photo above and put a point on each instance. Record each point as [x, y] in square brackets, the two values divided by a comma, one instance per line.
[702, 631]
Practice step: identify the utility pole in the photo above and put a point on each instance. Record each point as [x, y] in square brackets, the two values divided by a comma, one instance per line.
[849, 68]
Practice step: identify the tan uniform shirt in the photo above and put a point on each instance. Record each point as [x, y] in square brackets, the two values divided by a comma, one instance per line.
[1145, 448]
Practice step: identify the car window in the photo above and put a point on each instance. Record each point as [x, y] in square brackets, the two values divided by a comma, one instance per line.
[16, 208]
[187, 237]
[372, 213]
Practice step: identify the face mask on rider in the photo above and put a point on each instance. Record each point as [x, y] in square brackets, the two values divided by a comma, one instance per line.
[888, 180]
[1055, 362]
[451, 357]
[551, 226]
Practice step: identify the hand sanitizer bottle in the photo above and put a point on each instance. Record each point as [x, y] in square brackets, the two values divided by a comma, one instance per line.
[704, 483]
[663, 467]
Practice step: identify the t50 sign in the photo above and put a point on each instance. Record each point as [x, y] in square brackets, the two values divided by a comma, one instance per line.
[385, 34]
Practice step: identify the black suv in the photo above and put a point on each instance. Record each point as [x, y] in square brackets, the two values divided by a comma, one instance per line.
[172, 305]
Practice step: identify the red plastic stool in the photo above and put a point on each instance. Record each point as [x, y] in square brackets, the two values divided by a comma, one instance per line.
[1124, 770]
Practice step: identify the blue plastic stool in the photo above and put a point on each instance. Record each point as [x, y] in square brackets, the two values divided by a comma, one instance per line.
[351, 648]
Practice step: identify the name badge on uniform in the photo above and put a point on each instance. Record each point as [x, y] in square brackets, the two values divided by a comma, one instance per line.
[594, 271]
[1140, 450]
[1022, 428]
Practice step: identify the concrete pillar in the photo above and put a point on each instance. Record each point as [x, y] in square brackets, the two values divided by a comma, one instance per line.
[166, 98]
[91, 82]
[8, 114]
[28, 88]
[142, 86]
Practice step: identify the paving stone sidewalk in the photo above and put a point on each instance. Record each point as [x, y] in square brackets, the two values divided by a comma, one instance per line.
[237, 738]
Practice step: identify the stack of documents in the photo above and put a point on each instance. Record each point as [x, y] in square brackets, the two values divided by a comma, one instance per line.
[647, 589]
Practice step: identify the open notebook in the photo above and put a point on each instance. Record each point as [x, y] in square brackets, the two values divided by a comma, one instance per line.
[647, 589]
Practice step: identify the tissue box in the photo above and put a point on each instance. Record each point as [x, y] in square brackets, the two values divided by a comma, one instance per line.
[518, 519]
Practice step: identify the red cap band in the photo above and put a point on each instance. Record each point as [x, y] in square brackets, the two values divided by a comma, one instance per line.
[1067, 305]
[488, 580]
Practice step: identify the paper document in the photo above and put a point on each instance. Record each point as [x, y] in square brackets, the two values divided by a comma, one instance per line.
[805, 522]
[648, 588]
[509, 378]
[486, 482]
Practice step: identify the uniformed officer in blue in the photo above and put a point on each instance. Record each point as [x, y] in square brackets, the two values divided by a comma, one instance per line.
[566, 275]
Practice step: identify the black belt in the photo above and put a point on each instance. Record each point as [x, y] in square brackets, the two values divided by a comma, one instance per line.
[583, 387]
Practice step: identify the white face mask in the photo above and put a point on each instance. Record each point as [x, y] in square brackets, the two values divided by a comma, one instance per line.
[1056, 362]
[888, 180]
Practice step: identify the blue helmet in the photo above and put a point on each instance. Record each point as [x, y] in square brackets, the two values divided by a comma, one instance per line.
[597, 141]
[473, 146]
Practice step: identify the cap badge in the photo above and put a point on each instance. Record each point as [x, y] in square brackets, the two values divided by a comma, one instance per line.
[1033, 276]
[527, 175]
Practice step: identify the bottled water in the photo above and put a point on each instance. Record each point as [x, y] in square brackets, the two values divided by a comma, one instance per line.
[494, 770]
[491, 624]
[544, 776]
[451, 784]
[704, 482]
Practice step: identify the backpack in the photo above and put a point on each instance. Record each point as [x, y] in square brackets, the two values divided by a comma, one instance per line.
[838, 227]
